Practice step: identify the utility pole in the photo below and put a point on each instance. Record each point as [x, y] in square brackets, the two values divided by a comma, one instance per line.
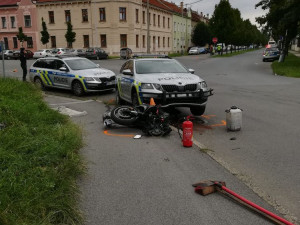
[2, 51]
[148, 28]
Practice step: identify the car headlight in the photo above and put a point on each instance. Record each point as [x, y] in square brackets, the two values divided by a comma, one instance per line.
[203, 85]
[89, 79]
[146, 86]
[158, 87]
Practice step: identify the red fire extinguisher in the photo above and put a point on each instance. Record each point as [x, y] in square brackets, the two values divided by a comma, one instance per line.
[187, 133]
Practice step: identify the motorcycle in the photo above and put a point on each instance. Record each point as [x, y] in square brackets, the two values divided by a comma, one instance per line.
[151, 119]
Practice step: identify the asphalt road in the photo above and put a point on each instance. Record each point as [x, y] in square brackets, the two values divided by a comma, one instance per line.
[149, 180]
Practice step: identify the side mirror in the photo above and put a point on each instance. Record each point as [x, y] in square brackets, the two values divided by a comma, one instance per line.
[191, 71]
[127, 72]
[64, 69]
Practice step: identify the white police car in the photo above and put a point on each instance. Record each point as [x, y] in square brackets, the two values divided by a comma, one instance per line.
[163, 79]
[73, 73]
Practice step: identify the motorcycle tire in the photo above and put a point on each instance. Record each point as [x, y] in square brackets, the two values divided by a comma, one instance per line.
[122, 116]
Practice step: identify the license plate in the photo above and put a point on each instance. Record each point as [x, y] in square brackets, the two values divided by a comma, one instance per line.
[181, 95]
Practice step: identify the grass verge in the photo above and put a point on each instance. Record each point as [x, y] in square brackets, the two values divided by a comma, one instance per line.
[171, 55]
[234, 53]
[290, 67]
[39, 160]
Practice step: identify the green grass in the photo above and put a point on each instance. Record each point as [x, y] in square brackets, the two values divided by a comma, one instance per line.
[39, 160]
[233, 53]
[290, 67]
[171, 55]
[113, 57]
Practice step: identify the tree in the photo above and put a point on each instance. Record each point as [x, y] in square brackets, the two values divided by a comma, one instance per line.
[44, 33]
[201, 35]
[21, 36]
[70, 35]
[282, 19]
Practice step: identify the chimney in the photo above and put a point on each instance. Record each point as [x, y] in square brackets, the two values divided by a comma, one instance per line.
[207, 15]
[181, 5]
[201, 14]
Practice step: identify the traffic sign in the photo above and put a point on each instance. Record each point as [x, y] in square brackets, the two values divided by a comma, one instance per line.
[215, 40]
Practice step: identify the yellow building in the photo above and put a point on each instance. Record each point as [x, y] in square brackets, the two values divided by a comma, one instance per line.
[109, 24]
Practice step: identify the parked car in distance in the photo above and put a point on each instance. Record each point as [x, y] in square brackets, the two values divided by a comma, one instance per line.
[202, 50]
[60, 51]
[78, 74]
[8, 54]
[271, 54]
[125, 53]
[28, 54]
[42, 53]
[194, 51]
[78, 52]
[96, 53]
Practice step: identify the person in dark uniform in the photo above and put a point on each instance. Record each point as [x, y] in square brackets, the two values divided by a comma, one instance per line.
[23, 63]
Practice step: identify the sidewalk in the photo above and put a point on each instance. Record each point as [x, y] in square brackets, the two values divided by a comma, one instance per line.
[295, 53]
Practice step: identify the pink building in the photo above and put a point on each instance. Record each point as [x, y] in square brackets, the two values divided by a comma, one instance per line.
[15, 14]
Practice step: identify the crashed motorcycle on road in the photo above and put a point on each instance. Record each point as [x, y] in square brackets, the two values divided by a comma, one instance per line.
[151, 119]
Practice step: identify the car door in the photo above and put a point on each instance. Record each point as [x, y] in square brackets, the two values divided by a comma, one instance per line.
[127, 80]
[60, 78]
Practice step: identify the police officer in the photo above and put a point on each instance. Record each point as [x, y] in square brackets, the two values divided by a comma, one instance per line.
[23, 63]
[219, 49]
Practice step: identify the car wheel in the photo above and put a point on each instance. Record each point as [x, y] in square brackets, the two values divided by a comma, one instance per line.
[135, 99]
[197, 110]
[77, 88]
[39, 83]
[97, 57]
[8, 57]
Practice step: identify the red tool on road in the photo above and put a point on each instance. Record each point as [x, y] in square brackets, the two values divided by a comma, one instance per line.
[207, 187]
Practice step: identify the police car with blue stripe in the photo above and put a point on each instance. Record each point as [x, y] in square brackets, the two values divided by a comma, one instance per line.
[73, 73]
[165, 80]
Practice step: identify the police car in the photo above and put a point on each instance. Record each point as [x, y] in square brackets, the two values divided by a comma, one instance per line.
[165, 80]
[73, 73]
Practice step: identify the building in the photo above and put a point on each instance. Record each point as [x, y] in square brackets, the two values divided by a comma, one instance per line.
[295, 45]
[110, 25]
[15, 14]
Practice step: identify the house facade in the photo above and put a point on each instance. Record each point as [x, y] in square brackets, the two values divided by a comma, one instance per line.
[15, 14]
[295, 45]
[109, 24]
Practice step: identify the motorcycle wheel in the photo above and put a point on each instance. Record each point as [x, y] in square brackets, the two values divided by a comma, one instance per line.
[122, 115]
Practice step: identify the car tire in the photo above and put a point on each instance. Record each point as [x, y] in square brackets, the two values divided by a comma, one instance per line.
[135, 99]
[39, 83]
[97, 57]
[119, 100]
[197, 110]
[77, 88]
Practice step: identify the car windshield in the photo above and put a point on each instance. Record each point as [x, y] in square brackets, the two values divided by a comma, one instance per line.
[194, 48]
[159, 66]
[81, 64]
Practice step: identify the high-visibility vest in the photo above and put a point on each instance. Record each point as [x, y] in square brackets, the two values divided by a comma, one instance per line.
[219, 47]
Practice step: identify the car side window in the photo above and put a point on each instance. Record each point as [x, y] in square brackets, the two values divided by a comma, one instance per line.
[58, 64]
[49, 64]
[124, 67]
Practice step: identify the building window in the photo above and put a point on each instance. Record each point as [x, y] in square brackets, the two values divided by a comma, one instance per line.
[164, 42]
[13, 22]
[3, 19]
[144, 42]
[137, 41]
[122, 14]
[158, 20]
[168, 42]
[53, 41]
[153, 42]
[67, 15]
[154, 20]
[86, 41]
[158, 41]
[103, 40]
[85, 16]
[144, 18]
[164, 21]
[168, 22]
[174, 26]
[69, 44]
[51, 16]
[27, 20]
[29, 42]
[123, 38]
[149, 18]
[102, 14]
[6, 43]
[15, 40]
[136, 15]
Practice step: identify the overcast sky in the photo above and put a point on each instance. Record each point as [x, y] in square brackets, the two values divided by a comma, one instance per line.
[246, 7]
